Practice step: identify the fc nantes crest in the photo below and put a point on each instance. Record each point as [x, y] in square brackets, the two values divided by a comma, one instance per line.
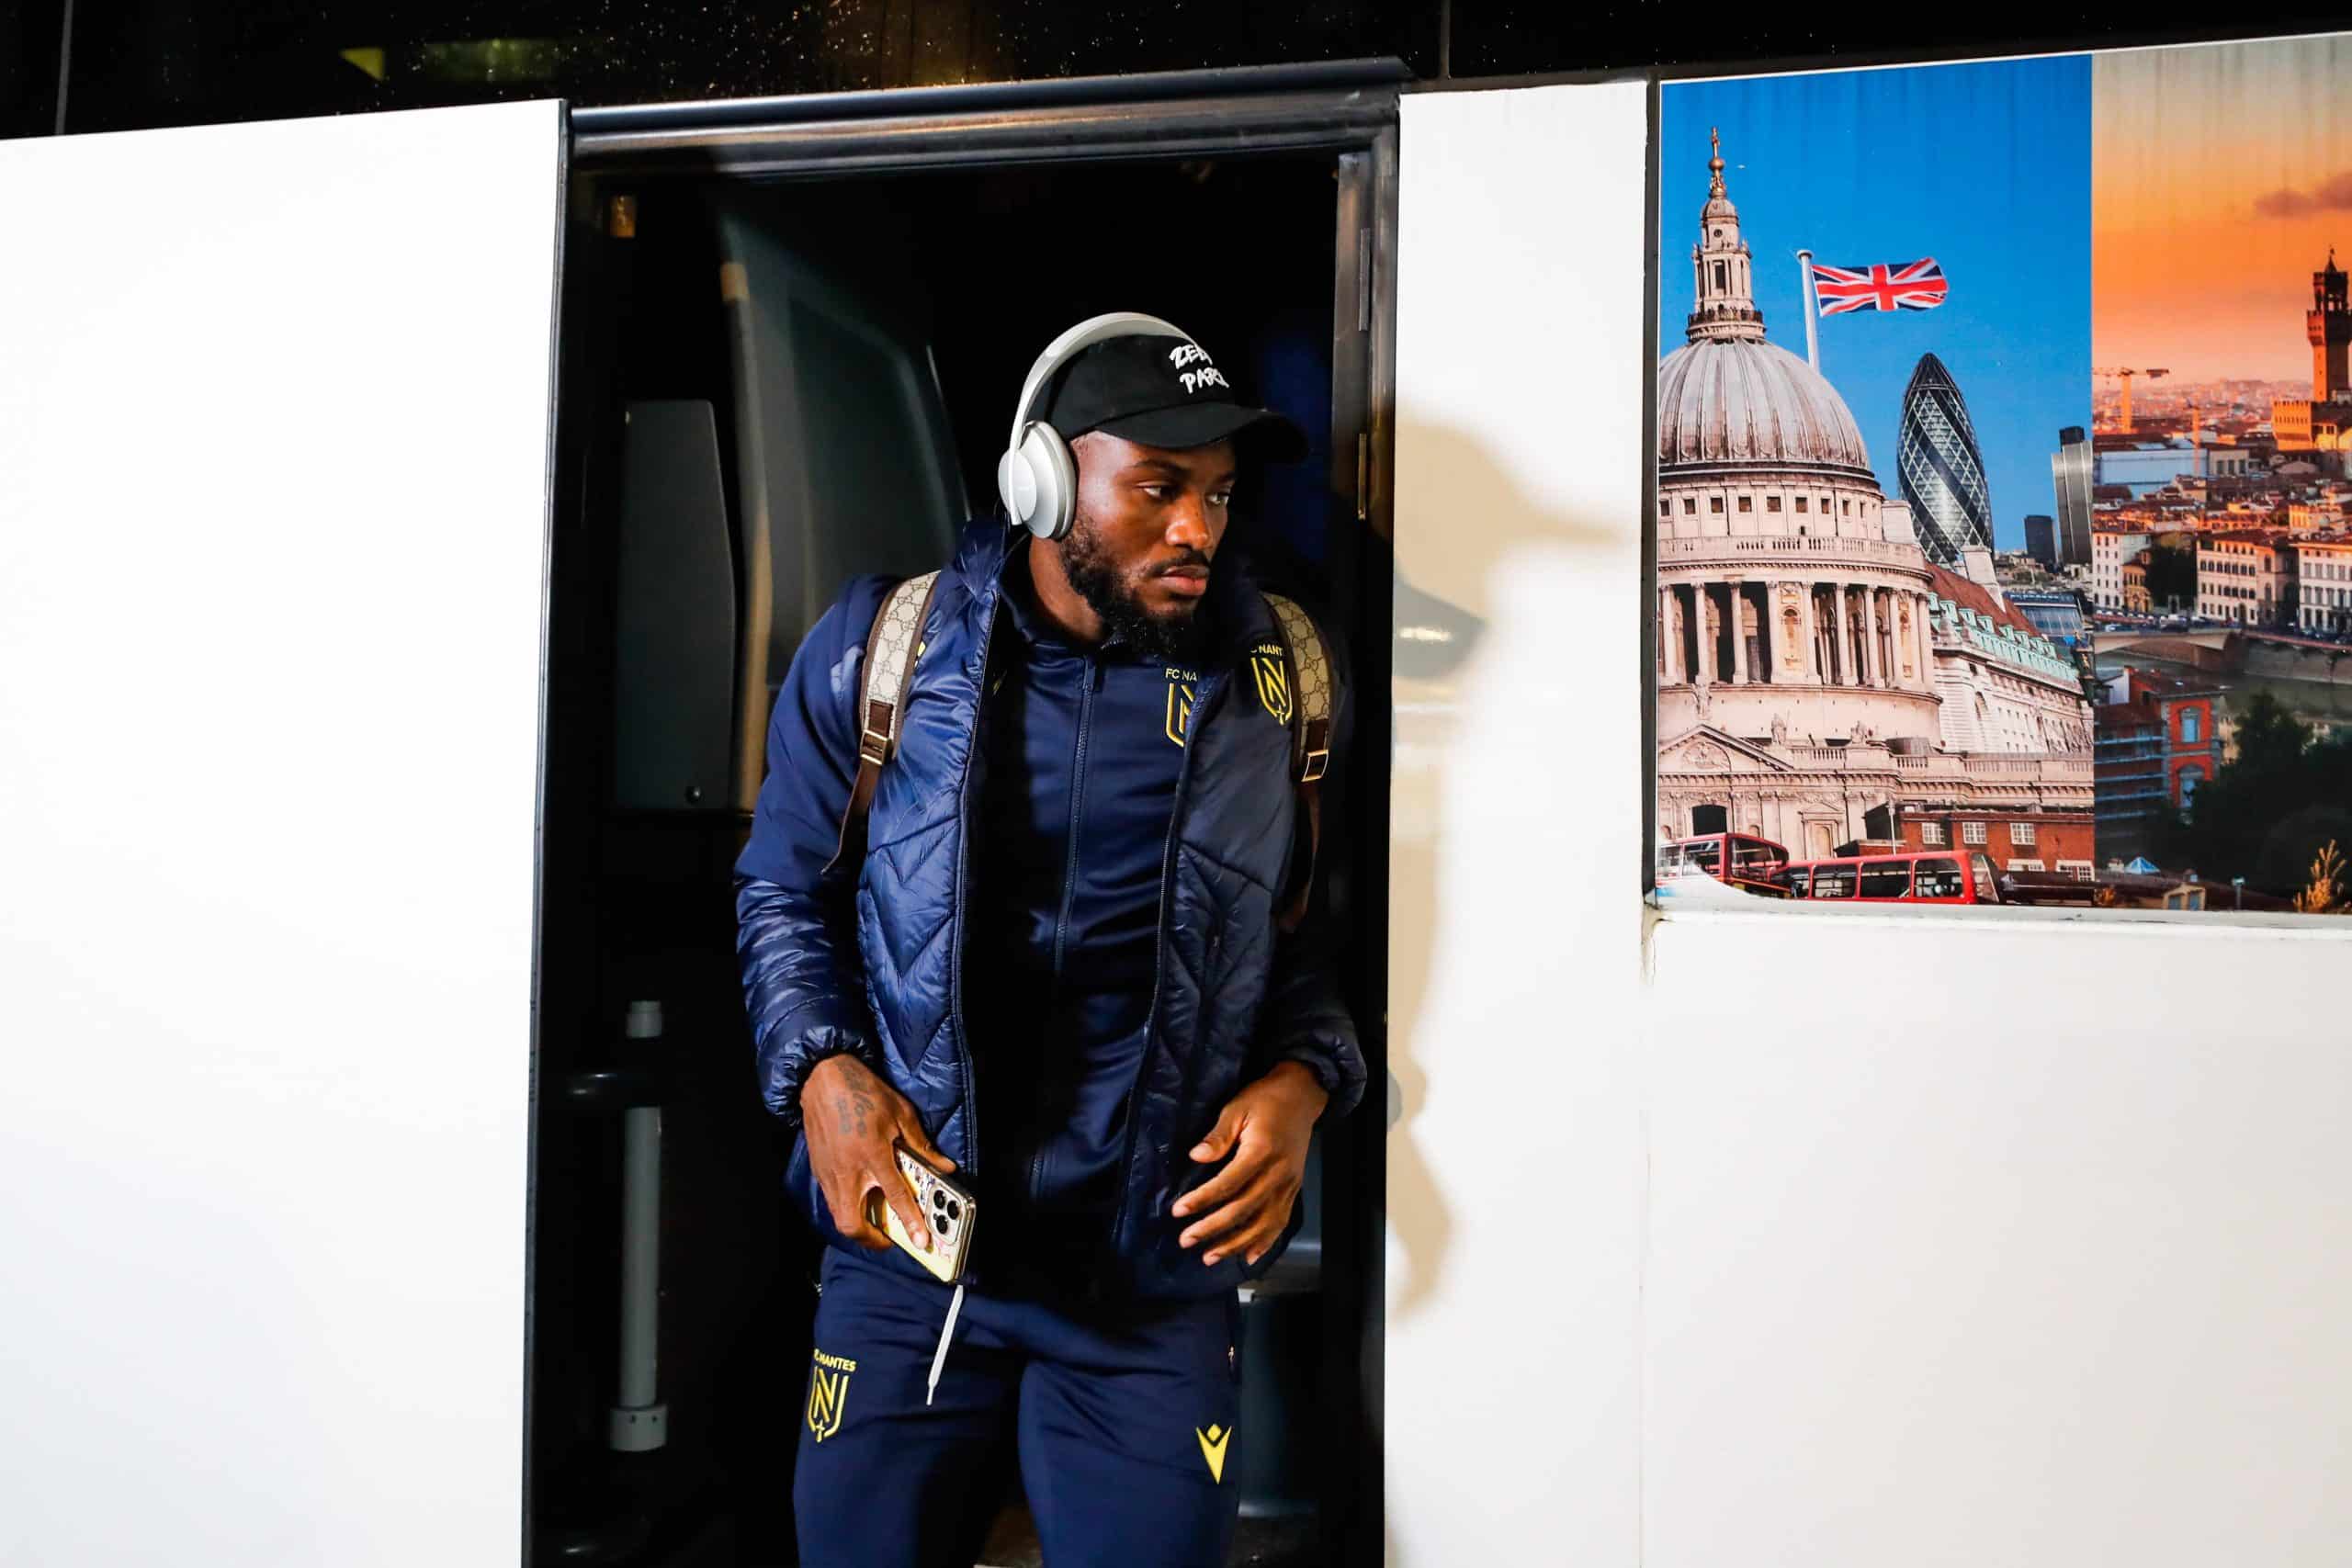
[827, 1393]
[1180, 701]
[1180, 711]
[1272, 666]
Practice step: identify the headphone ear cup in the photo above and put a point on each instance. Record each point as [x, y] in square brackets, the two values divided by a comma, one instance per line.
[1016, 486]
[1051, 495]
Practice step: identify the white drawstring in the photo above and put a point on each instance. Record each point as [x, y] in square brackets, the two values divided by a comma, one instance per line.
[946, 1332]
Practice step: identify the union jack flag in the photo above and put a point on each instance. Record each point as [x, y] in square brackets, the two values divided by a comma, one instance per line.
[1882, 286]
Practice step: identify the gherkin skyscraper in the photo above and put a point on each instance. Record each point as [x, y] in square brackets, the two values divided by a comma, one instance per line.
[1939, 467]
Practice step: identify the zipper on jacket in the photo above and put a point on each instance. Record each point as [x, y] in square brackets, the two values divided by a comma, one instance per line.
[970, 1169]
[1211, 689]
[1089, 683]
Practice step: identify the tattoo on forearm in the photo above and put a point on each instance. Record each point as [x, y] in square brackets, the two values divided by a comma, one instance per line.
[864, 1109]
[841, 1113]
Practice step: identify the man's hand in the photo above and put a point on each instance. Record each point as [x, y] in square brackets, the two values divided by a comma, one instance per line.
[851, 1120]
[1245, 1206]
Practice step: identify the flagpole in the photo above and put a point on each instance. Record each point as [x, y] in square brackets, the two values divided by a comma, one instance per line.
[1812, 330]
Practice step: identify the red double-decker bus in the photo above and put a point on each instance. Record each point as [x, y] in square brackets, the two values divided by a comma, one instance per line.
[1935, 876]
[1735, 860]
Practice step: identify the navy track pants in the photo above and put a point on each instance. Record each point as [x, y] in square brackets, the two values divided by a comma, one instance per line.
[1122, 1415]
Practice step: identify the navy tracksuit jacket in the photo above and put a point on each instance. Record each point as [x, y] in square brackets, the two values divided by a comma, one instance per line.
[1124, 1408]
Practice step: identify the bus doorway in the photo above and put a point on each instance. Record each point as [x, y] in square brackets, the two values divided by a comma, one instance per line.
[778, 374]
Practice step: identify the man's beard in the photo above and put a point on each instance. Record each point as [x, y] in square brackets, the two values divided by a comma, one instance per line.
[1175, 639]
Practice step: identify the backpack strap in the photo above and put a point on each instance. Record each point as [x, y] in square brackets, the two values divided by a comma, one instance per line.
[892, 646]
[1313, 689]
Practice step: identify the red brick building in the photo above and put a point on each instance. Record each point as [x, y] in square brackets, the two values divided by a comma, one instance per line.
[2012, 840]
[2156, 746]
[2192, 752]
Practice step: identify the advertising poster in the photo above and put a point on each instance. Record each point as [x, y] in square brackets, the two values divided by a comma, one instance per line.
[2003, 554]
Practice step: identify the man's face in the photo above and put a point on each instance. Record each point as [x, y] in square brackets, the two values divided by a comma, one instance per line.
[1148, 523]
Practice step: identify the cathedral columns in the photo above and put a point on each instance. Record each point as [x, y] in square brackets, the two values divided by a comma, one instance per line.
[1825, 642]
[1888, 633]
[1857, 598]
[1736, 622]
[1875, 621]
[1871, 675]
[1669, 638]
[1924, 679]
[1702, 642]
[1902, 621]
[1852, 634]
[1898, 641]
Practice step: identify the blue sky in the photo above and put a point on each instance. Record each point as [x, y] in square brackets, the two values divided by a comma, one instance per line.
[1986, 168]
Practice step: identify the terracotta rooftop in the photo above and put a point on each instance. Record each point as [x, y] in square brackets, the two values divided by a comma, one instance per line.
[1968, 596]
[2149, 685]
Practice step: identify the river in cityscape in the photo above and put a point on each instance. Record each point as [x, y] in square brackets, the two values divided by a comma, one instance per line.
[2326, 706]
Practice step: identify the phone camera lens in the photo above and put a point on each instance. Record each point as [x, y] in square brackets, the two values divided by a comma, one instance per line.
[955, 1210]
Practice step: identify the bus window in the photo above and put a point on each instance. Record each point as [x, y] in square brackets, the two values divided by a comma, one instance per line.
[1941, 880]
[1798, 880]
[1889, 880]
[1981, 870]
[1704, 854]
[1685, 858]
[1833, 881]
[1755, 858]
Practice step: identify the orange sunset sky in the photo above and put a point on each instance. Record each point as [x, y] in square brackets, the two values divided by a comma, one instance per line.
[2220, 176]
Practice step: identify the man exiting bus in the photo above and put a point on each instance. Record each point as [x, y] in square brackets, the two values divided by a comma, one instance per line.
[1052, 933]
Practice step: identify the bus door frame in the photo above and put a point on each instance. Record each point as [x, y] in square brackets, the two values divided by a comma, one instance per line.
[1346, 109]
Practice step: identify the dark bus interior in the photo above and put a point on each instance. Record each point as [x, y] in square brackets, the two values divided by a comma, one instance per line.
[767, 386]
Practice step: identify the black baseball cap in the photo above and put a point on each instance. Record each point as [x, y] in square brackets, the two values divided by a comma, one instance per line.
[1161, 391]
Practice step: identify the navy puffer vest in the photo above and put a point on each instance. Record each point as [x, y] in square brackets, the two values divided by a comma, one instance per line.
[1232, 996]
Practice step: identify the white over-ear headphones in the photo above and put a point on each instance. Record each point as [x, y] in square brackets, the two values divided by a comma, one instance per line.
[1037, 477]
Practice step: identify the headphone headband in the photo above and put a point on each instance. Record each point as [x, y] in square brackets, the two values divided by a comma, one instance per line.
[1085, 335]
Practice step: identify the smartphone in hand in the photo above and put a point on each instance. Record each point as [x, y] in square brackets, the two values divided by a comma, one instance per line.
[946, 1208]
